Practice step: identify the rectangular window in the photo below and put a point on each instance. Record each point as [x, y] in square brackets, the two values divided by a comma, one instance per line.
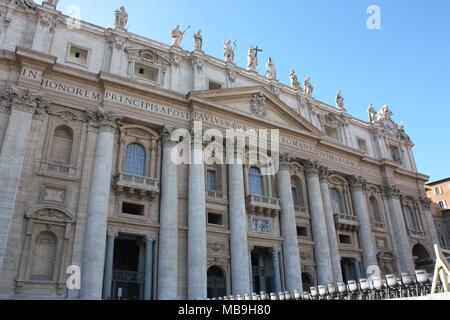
[78, 55]
[133, 209]
[145, 72]
[345, 239]
[212, 180]
[331, 132]
[438, 190]
[215, 219]
[362, 145]
[214, 85]
[395, 153]
[302, 232]
[443, 205]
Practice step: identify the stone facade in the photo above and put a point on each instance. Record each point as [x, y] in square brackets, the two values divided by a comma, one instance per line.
[86, 120]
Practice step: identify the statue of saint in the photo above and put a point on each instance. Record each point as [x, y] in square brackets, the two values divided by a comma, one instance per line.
[372, 113]
[177, 36]
[308, 86]
[294, 80]
[271, 72]
[121, 18]
[340, 101]
[198, 40]
[51, 3]
[252, 60]
[228, 52]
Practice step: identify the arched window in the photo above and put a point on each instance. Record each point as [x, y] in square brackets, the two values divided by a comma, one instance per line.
[255, 181]
[44, 255]
[135, 160]
[297, 192]
[375, 210]
[411, 219]
[61, 151]
[336, 200]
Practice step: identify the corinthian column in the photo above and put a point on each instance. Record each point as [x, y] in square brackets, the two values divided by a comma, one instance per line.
[427, 205]
[23, 105]
[398, 226]
[319, 226]
[292, 267]
[168, 232]
[331, 229]
[366, 238]
[95, 236]
[240, 261]
[197, 256]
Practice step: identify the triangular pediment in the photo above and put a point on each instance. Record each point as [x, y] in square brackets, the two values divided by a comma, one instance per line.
[258, 104]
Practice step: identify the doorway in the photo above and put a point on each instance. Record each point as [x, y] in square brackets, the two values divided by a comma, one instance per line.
[128, 275]
[216, 283]
[263, 270]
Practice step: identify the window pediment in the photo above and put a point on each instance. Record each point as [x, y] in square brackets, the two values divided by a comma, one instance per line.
[147, 55]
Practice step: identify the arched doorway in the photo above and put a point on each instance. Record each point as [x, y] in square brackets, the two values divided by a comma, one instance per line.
[422, 259]
[216, 282]
[307, 281]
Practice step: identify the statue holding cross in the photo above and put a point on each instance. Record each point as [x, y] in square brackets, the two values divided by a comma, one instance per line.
[252, 58]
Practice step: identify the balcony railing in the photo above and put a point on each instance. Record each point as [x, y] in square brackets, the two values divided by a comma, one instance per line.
[346, 222]
[215, 194]
[263, 204]
[379, 225]
[56, 169]
[137, 184]
[128, 276]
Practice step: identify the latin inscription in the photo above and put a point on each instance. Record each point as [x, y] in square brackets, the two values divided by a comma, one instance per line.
[219, 121]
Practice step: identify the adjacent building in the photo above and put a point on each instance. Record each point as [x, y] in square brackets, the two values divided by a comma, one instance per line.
[88, 117]
[439, 192]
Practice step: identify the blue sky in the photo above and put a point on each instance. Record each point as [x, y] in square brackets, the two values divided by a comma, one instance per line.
[406, 64]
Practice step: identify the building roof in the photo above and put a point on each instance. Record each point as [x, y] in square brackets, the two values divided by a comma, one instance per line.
[438, 182]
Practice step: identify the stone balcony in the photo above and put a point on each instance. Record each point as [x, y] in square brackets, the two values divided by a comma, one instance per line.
[263, 205]
[345, 222]
[216, 196]
[142, 186]
[57, 170]
[378, 226]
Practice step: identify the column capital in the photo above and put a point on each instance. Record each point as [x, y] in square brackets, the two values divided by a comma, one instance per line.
[285, 160]
[103, 120]
[166, 137]
[311, 168]
[23, 100]
[149, 239]
[357, 182]
[324, 173]
[112, 234]
[426, 203]
[390, 191]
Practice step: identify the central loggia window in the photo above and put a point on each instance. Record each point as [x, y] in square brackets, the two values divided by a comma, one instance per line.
[255, 181]
[135, 160]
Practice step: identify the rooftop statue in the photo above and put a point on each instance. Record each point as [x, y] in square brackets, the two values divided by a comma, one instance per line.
[198, 40]
[340, 101]
[308, 86]
[177, 36]
[121, 18]
[228, 52]
[271, 72]
[294, 80]
[252, 60]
